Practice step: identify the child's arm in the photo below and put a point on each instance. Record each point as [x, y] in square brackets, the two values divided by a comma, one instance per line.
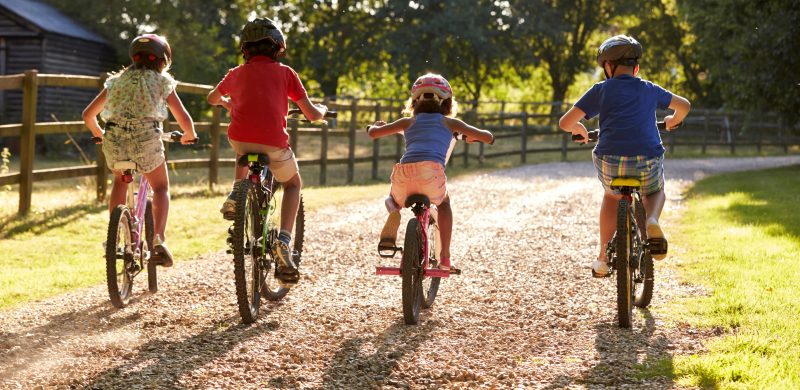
[313, 112]
[215, 98]
[182, 116]
[382, 129]
[472, 133]
[571, 122]
[681, 106]
[92, 110]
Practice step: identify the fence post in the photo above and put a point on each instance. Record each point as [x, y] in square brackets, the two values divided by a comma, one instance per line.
[293, 134]
[565, 138]
[102, 173]
[376, 146]
[398, 148]
[524, 141]
[758, 142]
[705, 132]
[733, 142]
[27, 140]
[671, 143]
[323, 155]
[502, 117]
[351, 141]
[213, 164]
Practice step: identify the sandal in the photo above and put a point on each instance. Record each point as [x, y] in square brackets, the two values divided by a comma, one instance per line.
[600, 269]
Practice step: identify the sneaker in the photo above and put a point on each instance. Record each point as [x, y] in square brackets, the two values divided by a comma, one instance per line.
[161, 254]
[228, 209]
[286, 269]
[656, 241]
[600, 269]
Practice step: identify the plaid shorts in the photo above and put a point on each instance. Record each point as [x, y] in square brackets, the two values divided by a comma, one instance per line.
[649, 170]
[137, 141]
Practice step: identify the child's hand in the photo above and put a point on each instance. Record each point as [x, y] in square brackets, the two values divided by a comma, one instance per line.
[188, 138]
[379, 123]
[670, 123]
[581, 131]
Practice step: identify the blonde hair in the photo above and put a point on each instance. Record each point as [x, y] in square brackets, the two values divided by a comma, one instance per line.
[446, 107]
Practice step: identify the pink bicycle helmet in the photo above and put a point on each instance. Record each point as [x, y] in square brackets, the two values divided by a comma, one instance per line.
[431, 83]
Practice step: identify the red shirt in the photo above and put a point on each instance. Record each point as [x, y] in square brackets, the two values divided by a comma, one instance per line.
[258, 92]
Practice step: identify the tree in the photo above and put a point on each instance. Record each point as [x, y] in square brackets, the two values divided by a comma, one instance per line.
[750, 51]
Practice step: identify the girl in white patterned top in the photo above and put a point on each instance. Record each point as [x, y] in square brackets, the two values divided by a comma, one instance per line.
[133, 104]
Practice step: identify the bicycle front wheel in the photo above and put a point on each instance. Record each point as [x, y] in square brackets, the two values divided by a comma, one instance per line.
[643, 274]
[271, 287]
[430, 286]
[621, 265]
[411, 271]
[247, 251]
[121, 265]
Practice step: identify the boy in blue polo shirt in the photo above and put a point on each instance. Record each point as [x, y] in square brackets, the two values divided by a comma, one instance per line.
[629, 142]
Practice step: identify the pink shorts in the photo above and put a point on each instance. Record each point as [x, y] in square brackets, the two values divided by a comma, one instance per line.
[424, 177]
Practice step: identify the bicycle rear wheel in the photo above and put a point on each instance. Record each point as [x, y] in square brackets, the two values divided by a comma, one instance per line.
[147, 247]
[430, 286]
[621, 264]
[643, 273]
[411, 270]
[121, 266]
[246, 232]
[271, 287]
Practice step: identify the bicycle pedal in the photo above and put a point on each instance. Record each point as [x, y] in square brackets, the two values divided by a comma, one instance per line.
[389, 252]
[455, 271]
[657, 246]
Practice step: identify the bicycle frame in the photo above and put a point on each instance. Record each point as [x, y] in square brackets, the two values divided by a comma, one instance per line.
[136, 203]
[422, 214]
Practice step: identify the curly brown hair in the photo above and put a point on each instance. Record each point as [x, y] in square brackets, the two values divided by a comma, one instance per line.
[447, 107]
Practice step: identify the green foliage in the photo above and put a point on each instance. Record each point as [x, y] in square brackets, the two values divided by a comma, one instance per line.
[750, 50]
[743, 244]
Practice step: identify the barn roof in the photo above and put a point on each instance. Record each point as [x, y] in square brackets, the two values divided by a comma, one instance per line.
[49, 19]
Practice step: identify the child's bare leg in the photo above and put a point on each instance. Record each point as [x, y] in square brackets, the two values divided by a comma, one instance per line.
[290, 202]
[653, 205]
[119, 191]
[608, 221]
[159, 182]
[445, 226]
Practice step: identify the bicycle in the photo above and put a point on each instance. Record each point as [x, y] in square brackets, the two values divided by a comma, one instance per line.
[630, 251]
[126, 253]
[254, 232]
[421, 252]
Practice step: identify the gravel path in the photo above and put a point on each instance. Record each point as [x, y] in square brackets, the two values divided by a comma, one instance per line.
[525, 313]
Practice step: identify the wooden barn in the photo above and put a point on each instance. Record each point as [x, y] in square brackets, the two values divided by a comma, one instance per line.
[35, 35]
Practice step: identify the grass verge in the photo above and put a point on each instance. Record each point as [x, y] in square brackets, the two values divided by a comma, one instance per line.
[741, 232]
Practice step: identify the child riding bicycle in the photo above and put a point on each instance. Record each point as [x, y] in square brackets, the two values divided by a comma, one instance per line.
[134, 103]
[629, 144]
[428, 135]
[256, 94]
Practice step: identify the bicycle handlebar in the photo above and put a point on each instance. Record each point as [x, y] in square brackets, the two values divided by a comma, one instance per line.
[295, 112]
[463, 137]
[174, 136]
[594, 134]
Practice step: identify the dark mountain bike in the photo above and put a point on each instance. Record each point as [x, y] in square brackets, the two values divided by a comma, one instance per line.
[254, 232]
[630, 251]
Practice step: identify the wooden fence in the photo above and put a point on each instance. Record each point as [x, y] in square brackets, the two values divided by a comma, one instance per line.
[532, 129]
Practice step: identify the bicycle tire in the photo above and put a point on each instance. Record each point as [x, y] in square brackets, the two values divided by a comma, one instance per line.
[411, 271]
[119, 282]
[643, 291]
[622, 268]
[271, 289]
[243, 240]
[430, 286]
[149, 233]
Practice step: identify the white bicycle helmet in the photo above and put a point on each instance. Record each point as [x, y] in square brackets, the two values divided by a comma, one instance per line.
[431, 83]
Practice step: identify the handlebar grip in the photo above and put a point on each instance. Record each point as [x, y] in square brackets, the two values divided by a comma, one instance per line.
[97, 140]
[663, 125]
[331, 114]
[593, 135]
[175, 136]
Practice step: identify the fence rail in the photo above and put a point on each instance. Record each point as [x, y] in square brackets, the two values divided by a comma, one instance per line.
[535, 122]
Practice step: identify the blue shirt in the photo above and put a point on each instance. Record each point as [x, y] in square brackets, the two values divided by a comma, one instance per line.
[627, 108]
[428, 139]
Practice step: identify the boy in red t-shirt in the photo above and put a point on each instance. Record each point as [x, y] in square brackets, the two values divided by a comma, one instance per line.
[255, 94]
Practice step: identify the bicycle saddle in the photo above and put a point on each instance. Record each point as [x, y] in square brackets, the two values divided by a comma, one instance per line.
[418, 198]
[124, 165]
[625, 182]
[246, 159]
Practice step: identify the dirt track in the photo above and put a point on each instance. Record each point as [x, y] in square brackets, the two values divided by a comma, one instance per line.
[526, 311]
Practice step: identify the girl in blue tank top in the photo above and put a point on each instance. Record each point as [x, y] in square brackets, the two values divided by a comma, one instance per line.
[429, 139]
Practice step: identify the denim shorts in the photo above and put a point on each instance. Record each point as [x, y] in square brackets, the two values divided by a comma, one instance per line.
[649, 170]
[137, 141]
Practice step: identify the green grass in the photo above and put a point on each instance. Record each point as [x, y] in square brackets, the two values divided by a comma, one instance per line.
[741, 233]
[57, 247]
